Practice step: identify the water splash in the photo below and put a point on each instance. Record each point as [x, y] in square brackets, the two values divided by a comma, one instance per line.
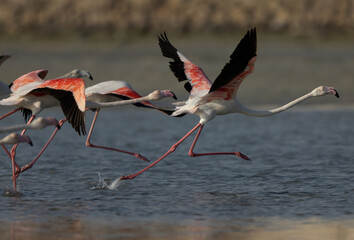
[102, 184]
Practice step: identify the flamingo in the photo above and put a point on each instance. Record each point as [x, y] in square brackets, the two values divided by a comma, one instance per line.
[109, 91]
[69, 93]
[38, 76]
[207, 99]
[34, 78]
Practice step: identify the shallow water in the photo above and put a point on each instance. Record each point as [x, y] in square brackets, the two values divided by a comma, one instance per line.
[300, 177]
[299, 182]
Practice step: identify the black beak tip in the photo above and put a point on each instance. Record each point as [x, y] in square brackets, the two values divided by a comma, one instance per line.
[174, 97]
[91, 77]
[30, 143]
[337, 95]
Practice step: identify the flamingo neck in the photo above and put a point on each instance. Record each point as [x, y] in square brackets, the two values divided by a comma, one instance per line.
[90, 104]
[265, 113]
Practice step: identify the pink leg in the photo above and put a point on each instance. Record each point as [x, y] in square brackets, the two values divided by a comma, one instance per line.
[15, 166]
[30, 165]
[88, 144]
[8, 154]
[172, 149]
[13, 149]
[8, 114]
[192, 154]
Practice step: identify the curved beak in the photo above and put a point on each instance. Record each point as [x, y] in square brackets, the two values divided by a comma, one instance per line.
[174, 96]
[337, 95]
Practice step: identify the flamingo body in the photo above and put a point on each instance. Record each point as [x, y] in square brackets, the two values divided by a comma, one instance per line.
[108, 92]
[68, 93]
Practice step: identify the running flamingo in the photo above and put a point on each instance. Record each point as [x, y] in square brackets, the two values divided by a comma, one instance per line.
[109, 91]
[209, 99]
[69, 93]
[38, 76]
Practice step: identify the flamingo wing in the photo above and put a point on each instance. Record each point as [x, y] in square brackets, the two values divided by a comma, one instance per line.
[70, 92]
[240, 65]
[34, 76]
[184, 69]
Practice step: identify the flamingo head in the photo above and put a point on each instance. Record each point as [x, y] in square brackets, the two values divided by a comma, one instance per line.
[324, 90]
[14, 138]
[25, 138]
[41, 73]
[158, 94]
[78, 73]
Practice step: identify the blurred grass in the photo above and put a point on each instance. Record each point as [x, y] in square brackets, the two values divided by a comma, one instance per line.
[48, 19]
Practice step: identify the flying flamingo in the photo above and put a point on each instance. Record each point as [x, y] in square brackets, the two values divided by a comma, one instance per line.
[209, 99]
[109, 91]
[69, 93]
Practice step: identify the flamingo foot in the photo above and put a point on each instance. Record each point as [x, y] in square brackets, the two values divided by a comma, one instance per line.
[137, 155]
[243, 156]
[127, 177]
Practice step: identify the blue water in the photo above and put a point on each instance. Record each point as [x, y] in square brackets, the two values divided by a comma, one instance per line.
[302, 167]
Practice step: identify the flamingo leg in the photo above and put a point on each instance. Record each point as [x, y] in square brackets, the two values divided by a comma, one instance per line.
[15, 166]
[172, 149]
[8, 154]
[89, 144]
[30, 165]
[13, 149]
[9, 113]
[192, 154]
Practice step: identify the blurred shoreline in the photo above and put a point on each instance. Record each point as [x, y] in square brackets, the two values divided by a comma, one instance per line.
[263, 228]
[38, 18]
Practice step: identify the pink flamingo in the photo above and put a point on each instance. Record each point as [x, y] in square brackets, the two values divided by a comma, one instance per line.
[208, 99]
[69, 93]
[110, 91]
[38, 76]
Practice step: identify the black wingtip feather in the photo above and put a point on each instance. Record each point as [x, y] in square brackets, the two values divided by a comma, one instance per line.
[26, 113]
[244, 52]
[169, 51]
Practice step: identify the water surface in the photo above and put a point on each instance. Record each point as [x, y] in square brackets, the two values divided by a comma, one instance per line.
[301, 173]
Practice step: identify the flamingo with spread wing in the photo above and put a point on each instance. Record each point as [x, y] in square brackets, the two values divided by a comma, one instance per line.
[208, 99]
